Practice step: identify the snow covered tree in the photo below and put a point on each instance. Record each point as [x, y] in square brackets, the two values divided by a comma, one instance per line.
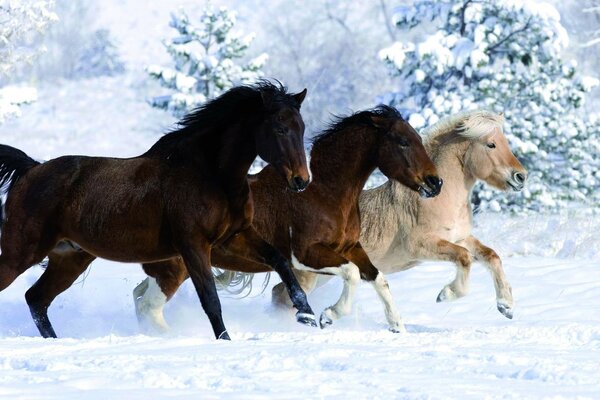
[205, 56]
[99, 57]
[21, 22]
[503, 55]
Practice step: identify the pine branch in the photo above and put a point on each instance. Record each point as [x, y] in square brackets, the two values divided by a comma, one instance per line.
[510, 35]
[463, 25]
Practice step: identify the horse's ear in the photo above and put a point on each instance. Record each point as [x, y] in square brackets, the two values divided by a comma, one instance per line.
[267, 97]
[380, 122]
[299, 97]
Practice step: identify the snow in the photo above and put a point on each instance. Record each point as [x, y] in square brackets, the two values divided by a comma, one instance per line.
[464, 349]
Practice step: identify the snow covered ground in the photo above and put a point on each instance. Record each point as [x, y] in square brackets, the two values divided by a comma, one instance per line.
[464, 349]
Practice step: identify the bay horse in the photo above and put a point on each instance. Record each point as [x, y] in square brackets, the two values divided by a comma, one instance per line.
[399, 230]
[187, 194]
[319, 228]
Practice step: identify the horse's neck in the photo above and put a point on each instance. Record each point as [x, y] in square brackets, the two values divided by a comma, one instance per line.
[458, 181]
[342, 166]
[233, 158]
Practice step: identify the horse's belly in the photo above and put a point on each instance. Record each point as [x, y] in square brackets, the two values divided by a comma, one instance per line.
[129, 253]
[125, 244]
[395, 262]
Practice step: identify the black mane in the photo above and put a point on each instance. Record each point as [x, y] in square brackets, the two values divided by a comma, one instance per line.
[239, 104]
[363, 118]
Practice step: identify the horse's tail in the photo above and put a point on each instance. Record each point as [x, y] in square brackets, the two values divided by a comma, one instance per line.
[237, 283]
[13, 165]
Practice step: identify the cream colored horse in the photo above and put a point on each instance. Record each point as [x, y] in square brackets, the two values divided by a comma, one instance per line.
[399, 229]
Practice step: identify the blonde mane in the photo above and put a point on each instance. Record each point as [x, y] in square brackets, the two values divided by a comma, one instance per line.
[467, 124]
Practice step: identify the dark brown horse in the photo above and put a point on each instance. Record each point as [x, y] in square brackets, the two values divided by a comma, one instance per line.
[184, 196]
[319, 228]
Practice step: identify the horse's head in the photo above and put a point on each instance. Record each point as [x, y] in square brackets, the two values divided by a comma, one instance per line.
[402, 157]
[490, 159]
[280, 137]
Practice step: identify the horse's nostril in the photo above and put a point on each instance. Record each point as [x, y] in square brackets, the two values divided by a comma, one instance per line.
[519, 177]
[300, 183]
[433, 182]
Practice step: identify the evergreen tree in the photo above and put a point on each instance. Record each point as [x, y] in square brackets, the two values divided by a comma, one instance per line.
[503, 55]
[205, 57]
[99, 58]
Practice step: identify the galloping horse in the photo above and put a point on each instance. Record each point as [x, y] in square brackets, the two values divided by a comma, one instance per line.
[319, 228]
[184, 196]
[399, 229]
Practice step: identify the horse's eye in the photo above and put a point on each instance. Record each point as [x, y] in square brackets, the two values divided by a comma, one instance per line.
[280, 131]
[491, 145]
[403, 142]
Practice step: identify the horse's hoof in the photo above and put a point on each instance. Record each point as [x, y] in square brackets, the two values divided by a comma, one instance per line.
[446, 295]
[505, 310]
[224, 336]
[325, 320]
[306, 319]
[397, 328]
[440, 298]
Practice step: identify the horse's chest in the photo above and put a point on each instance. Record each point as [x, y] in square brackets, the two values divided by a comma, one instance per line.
[346, 234]
[224, 219]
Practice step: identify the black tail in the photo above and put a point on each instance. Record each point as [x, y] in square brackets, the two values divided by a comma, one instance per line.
[13, 165]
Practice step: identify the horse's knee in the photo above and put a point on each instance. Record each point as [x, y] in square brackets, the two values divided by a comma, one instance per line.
[464, 258]
[352, 274]
[493, 259]
[37, 298]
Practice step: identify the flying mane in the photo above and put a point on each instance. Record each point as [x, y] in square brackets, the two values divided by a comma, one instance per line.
[362, 118]
[238, 105]
[467, 124]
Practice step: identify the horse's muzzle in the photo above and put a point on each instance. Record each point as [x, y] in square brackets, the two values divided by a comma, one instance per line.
[431, 186]
[517, 181]
[298, 184]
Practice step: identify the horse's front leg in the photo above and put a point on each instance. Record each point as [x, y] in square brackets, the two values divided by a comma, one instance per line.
[492, 261]
[435, 248]
[307, 280]
[250, 246]
[196, 255]
[368, 272]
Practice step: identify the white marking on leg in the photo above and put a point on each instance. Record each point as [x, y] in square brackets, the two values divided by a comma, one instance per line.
[149, 306]
[391, 313]
[351, 276]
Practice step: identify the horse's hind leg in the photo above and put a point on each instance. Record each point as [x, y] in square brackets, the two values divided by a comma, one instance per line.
[65, 265]
[504, 298]
[9, 271]
[151, 295]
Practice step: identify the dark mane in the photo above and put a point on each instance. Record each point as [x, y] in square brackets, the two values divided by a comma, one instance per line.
[241, 104]
[340, 123]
